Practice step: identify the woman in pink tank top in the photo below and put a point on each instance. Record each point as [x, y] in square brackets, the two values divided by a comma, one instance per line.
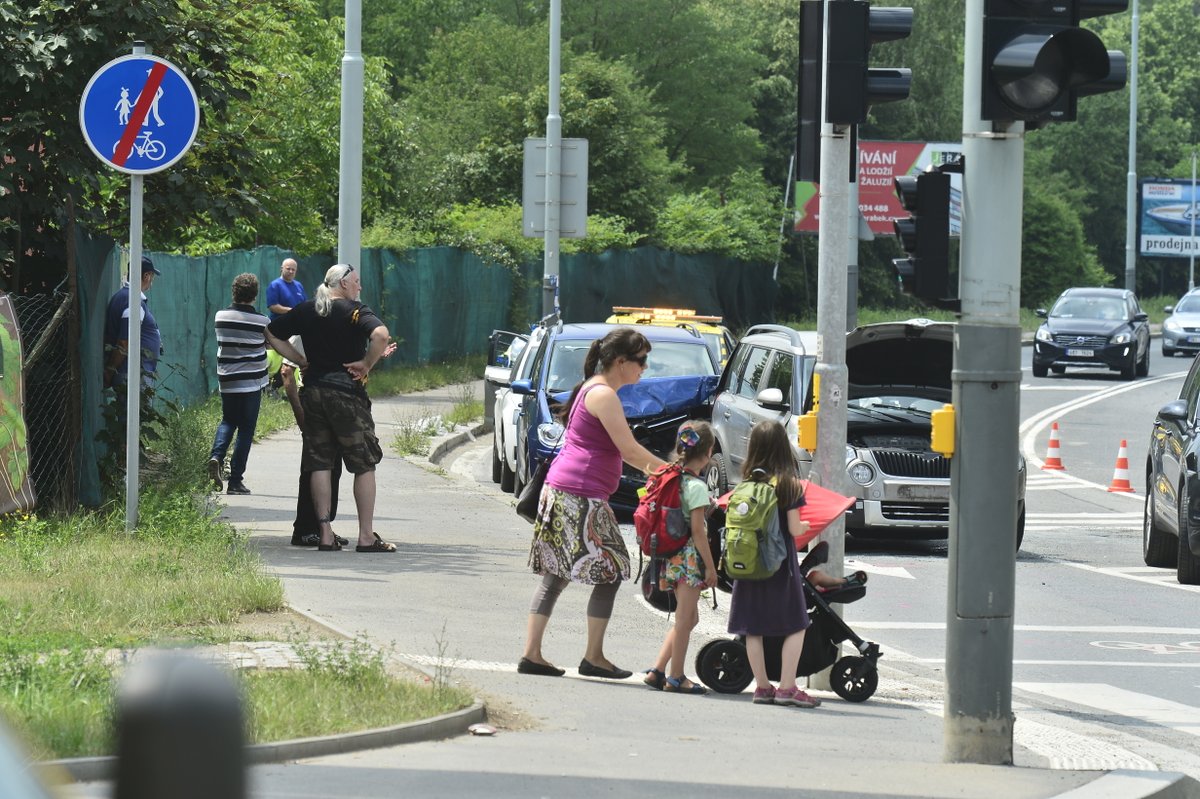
[576, 537]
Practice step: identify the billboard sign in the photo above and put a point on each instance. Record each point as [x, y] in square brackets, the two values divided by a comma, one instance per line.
[879, 164]
[1168, 226]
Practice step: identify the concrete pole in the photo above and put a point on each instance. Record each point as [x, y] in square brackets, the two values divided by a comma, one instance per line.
[978, 720]
[852, 242]
[1131, 172]
[553, 169]
[133, 357]
[350, 166]
[829, 461]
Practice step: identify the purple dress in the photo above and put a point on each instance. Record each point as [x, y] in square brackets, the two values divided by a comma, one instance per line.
[775, 606]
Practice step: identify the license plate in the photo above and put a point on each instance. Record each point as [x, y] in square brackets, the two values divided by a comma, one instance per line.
[1193, 340]
[1080, 353]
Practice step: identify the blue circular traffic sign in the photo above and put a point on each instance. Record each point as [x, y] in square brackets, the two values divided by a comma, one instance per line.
[139, 114]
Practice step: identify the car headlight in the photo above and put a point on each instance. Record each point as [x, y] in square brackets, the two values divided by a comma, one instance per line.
[1121, 338]
[861, 473]
[550, 434]
[1044, 335]
[1171, 325]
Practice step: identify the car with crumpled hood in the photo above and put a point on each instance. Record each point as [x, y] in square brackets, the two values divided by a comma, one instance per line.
[676, 385]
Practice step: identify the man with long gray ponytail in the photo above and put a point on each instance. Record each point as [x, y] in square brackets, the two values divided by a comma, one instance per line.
[343, 340]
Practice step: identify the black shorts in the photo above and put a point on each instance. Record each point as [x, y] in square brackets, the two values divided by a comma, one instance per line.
[338, 424]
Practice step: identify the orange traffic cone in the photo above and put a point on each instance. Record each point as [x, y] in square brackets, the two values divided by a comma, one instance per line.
[1120, 480]
[1052, 459]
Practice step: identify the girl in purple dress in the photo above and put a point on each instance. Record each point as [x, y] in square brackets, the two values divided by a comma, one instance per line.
[775, 606]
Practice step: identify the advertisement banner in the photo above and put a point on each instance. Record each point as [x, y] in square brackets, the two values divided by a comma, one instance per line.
[879, 164]
[1168, 226]
[16, 490]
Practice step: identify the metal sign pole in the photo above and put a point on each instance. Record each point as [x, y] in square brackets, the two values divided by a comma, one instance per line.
[133, 358]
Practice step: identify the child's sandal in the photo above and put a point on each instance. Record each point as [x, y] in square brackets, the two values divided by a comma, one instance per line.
[655, 679]
[682, 685]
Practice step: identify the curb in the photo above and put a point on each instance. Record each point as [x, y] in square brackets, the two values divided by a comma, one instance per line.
[445, 444]
[88, 769]
[1128, 784]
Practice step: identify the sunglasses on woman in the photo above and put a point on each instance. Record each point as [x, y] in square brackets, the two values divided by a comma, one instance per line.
[640, 360]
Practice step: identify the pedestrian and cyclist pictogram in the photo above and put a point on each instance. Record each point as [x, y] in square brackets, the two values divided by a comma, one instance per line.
[139, 114]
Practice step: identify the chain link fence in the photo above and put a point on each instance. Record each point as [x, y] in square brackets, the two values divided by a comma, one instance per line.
[51, 395]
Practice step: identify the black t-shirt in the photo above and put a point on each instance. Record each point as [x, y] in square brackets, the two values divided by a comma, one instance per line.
[329, 341]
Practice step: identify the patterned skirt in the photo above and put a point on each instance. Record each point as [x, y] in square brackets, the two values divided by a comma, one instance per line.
[577, 539]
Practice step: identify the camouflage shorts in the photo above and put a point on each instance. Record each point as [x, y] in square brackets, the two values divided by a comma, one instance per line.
[338, 425]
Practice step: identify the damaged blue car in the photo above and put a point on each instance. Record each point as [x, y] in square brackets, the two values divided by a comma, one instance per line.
[680, 377]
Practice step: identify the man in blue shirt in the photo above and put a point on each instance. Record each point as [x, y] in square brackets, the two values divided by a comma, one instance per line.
[116, 333]
[285, 292]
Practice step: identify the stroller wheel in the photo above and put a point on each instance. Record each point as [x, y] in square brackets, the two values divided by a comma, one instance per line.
[722, 665]
[854, 679]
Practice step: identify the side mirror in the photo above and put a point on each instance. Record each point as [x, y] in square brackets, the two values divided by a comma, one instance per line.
[1040, 312]
[771, 399]
[522, 387]
[1141, 316]
[1174, 411]
[1169, 308]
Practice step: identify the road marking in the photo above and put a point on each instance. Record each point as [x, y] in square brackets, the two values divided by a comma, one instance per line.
[852, 565]
[1118, 701]
[1031, 387]
[1161, 577]
[1037, 628]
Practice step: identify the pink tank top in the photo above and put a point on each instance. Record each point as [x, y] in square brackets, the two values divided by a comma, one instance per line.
[589, 463]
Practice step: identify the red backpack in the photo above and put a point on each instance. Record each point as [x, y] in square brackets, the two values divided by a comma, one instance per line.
[661, 527]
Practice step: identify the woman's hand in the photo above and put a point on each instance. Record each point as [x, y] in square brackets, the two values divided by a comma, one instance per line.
[710, 577]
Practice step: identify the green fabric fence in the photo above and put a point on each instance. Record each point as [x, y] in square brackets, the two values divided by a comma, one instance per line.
[438, 303]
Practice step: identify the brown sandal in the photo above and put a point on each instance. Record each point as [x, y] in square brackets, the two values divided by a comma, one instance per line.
[379, 546]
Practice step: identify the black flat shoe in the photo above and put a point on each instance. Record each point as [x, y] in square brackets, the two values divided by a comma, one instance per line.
[590, 670]
[527, 666]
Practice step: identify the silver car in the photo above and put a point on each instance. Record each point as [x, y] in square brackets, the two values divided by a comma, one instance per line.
[899, 373]
[1181, 330]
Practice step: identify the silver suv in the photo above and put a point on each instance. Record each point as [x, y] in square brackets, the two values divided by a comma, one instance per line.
[899, 373]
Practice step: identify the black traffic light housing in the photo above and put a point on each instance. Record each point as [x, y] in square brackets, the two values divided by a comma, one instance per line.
[853, 87]
[925, 236]
[1037, 61]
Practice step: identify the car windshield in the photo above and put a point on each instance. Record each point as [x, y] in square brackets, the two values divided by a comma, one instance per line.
[667, 359]
[1112, 308]
[1189, 304]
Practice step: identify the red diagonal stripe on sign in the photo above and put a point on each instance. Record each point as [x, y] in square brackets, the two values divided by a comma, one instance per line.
[145, 100]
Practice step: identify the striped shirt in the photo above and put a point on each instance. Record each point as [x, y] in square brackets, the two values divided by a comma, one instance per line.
[241, 349]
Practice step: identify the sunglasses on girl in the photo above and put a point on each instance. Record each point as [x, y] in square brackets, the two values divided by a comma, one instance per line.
[640, 360]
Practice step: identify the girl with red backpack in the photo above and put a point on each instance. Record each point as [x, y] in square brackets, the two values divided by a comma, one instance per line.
[690, 570]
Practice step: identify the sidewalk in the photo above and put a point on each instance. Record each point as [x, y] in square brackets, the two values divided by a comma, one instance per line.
[454, 600]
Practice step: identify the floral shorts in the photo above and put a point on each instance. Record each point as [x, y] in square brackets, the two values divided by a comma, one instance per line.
[685, 566]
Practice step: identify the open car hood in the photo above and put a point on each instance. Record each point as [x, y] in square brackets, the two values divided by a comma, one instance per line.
[918, 353]
[655, 396]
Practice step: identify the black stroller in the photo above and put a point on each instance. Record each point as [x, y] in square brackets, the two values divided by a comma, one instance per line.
[724, 666]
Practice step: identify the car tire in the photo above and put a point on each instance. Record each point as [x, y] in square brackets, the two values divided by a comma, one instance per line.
[1039, 370]
[1157, 546]
[518, 484]
[1129, 371]
[1187, 565]
[1167, 352]
[1143, 367]
[496, 471]
[507, 476]
[1020, 525]
[717, 476]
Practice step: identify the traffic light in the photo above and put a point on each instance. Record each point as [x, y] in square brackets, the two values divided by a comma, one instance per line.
[925, 236]
[853, 86]
[808, 92]
[1037, 61]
